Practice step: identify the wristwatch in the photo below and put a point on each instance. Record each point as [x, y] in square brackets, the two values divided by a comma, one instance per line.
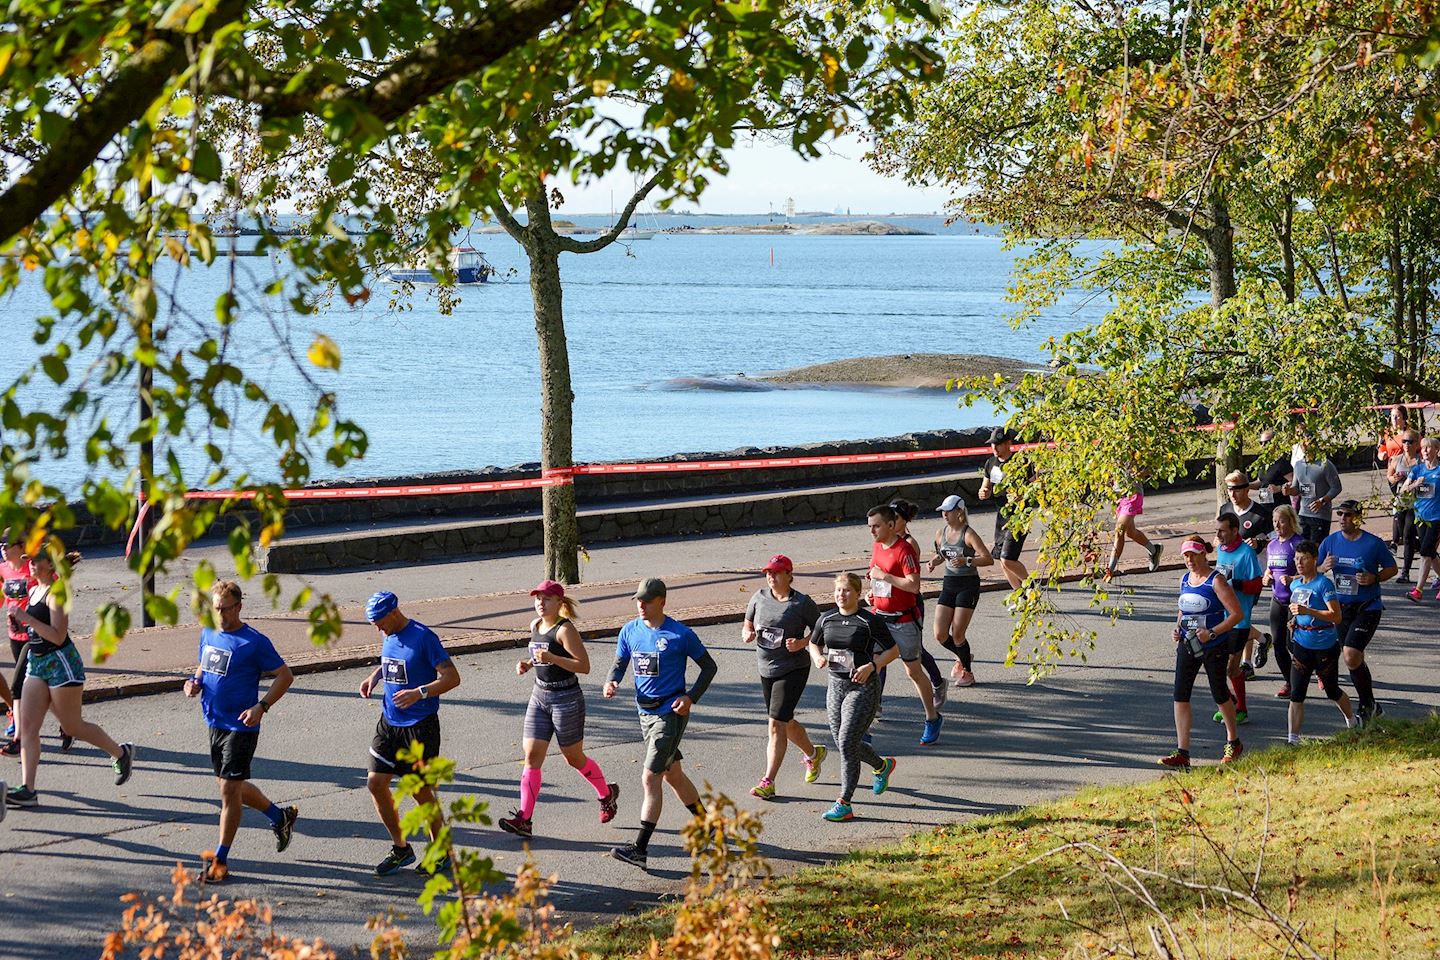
[423, 692]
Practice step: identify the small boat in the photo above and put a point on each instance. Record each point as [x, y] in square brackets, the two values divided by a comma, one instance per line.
[468, 264]
[635, 233]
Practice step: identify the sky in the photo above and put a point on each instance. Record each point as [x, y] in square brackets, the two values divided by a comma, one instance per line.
[764, 174]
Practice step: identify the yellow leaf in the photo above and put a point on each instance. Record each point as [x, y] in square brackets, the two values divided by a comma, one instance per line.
[324, 353]
[600, 87]
[832, 67]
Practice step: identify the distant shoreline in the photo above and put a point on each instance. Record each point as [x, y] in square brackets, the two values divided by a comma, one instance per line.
[842, 228]
[908, 371]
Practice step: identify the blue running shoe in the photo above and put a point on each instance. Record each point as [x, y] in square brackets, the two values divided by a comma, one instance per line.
[931, 732]
[839, 813]
[882, 777]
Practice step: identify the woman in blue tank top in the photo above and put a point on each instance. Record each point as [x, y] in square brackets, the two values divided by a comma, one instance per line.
[1208, 611]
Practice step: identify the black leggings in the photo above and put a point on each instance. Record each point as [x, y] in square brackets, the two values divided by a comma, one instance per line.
[1323, 663]
[1280, 633]
[1187, 667]
[1402, 532]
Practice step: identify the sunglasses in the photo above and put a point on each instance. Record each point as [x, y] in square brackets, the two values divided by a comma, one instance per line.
[1408, 442]
[1344, 514]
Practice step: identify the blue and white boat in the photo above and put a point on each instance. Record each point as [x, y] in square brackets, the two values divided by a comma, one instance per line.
[466, 263]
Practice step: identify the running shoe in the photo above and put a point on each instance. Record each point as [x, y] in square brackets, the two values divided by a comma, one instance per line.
[441, 866]
[611, 804]
[839, 813]
[812, 764]
[1156, 551]
[881, 782]
[11, 749]
[765, 789]
[1404, 578]
[931, 732]
[124, 764]
[941, 689]
[1175, 759]
[1283, 693]
[285, 829]
[1247, 669]
[630, 853]
[1232, 751]
[21, 797]
[1414, 595]
[965, 679]
[1241, 716]
[518, 825]
[66, 741]
[1437, 594]
[1262, 652]
[10, 727]
[396, 860]
[211, 870]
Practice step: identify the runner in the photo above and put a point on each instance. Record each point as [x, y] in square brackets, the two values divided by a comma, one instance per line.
[1130, 506]
[778, 620]
[1402, 528]
[227, 680]
[1359, 562]
[894, 596]
[1254, 523]
[1317, 484]
[906, 511]
[1317, 643]
[415, 670]
[15, 573]
[1424, 486]
[54, 681]
[961, 550]
[1270, 488]
[557, 706]
[1208, 612]
[846, 642]
[659, 646]
[1243, 574]
[1279, 567]
[994, 485]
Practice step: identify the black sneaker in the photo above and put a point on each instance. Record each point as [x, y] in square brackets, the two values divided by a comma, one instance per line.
[631, 854]
[1262, 652]
[395, 861]
[442, 866]
[11, 749]
[1364, 714]
[123, 764]
[516, 824]
[1247, 669]
[21, 797]
[611, 804]
[285, 829]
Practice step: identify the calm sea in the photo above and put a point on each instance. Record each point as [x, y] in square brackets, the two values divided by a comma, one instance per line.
[460, 392]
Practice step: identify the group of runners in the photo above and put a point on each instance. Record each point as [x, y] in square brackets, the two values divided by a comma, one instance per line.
[1325, 608]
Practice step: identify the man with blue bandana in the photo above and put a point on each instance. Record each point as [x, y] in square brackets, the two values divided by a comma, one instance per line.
[1358, 562]
[415, 670]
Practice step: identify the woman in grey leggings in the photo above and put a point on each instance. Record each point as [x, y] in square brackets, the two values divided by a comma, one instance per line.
[852, 645]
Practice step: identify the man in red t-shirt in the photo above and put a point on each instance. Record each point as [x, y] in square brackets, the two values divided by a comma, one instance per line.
[895, 596]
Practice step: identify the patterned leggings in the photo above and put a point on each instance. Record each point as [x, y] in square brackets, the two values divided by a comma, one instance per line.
[850, 708]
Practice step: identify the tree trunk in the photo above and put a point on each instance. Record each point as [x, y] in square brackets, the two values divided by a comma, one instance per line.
[1398, 296]
[1220, 257]
[557, 398]
[1287, 250]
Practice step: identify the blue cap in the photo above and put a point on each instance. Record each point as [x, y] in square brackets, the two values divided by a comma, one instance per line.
[380, 604]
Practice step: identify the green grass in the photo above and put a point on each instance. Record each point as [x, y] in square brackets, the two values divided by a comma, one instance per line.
[1351, 857]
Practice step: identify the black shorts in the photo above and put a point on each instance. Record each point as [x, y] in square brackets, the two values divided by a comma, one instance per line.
[958, 591]
[1357, 626]
[1427, 532]
[1314, 528]
[782, 694]
[231, 752]
[391, 740]
[1007, 545]
[1238, 638]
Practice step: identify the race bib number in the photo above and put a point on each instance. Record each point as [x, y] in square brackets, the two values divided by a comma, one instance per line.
[952, 554]
[771, 638]
[1345, 583]
[647, 664]
[215, 660]
[1425, 491]
[841, 660]
[16, 589]
[996, 475]
[1302, 597]
[1226, 570]
[392, 670]
[535, 648]
[1307, 490]
[1264, 495]
[880, 588]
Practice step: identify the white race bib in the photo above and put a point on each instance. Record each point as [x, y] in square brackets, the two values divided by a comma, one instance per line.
[535, 648]
[647, 664]
[771, 638]
[841, 660]
[880, 588]
[1301, 597]
[215, 660]
[996, 475]
[1426, 490]
[1346, 584]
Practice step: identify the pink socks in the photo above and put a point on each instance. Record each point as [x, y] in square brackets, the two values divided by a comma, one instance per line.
[591, 772]
[529, 791]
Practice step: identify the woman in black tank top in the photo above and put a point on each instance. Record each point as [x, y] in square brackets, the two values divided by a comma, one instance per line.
[960, 549]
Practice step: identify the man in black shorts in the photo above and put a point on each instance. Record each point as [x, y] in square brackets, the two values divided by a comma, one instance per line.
[997, 475]
[233, 658]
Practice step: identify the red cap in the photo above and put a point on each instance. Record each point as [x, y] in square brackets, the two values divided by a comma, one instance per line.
[778, 563]
[548, 588]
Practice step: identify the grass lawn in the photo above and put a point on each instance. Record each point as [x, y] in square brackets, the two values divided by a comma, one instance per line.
[1349, 829]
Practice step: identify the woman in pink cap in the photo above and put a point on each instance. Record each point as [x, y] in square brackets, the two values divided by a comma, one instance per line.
[778, 621]
[557, 705]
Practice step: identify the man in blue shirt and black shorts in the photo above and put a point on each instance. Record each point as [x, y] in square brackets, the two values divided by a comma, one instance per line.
[1358, 562]
[659, 648]
[233, 658]
[415, 670]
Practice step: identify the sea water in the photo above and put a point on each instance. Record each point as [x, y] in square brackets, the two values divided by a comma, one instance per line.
[659, 333]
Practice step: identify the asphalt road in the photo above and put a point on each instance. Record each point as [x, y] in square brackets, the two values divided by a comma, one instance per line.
[64, 865]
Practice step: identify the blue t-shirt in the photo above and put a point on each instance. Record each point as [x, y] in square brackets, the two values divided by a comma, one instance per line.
[409, 659]
[1365, 555]
[1310, 633]
[230, 669]
[658, 658]
[1427, 495]
[1239, 565]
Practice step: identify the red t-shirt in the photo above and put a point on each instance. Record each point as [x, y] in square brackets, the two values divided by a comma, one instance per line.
[900, 560]
[17, 582]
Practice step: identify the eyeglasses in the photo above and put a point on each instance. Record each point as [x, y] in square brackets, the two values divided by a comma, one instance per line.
[221, 608]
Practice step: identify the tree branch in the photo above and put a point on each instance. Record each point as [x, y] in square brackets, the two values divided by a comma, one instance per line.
[518, 231]
[571, 245]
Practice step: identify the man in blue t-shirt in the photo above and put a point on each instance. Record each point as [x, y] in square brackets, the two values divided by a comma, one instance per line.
[415, 670]
[1358, 562]
[659, 648]
[1423, 483]
[232, 660]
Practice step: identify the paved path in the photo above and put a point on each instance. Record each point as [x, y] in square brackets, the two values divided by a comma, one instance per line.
[62, 867]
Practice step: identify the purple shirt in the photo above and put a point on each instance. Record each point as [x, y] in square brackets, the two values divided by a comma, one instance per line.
[1280, 561]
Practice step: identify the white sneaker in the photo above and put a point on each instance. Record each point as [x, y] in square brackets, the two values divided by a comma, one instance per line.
[941, 689]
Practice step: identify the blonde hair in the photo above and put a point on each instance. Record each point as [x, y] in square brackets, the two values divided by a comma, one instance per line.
[1288, 512]
[850, 580]
[228, 589]
[569, 608]
[1235, 477]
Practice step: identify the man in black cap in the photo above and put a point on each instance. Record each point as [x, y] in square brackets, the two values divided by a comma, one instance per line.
[659, 647]
[1358, 562]
[998, 476]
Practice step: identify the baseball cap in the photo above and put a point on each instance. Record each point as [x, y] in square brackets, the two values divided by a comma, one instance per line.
[778, 563]
[548, 588]
[1001, 435]
[650, 588]
[380, 604]
[1191, 545]
[1348, 506]
[952, 502]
